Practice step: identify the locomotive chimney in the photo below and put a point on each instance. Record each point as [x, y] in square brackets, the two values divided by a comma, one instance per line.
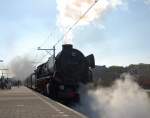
[67, 46]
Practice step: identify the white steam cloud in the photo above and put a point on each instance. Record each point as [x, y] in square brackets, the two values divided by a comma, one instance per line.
[21, 67]
[125, 99]
[72, 10]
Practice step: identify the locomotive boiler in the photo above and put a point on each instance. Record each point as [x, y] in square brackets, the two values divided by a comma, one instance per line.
[59, 77]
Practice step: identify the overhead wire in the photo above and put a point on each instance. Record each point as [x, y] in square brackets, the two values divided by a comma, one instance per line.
[36, 54]
[70, 28]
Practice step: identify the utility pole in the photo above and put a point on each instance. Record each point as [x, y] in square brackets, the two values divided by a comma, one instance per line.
[2, 72]
[3, 69]
[54, 54]
[51, 49]
[2, 61]
[7, 73]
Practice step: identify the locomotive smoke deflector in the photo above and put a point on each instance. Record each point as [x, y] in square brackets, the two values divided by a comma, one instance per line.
[91, 60]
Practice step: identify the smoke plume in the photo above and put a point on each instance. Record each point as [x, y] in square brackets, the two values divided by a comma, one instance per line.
[72, 10]
[125, 99]
[21, 67]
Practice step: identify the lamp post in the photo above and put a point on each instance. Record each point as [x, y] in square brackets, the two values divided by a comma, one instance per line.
[1, 61]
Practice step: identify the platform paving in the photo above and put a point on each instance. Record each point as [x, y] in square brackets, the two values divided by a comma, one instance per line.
[24, 103]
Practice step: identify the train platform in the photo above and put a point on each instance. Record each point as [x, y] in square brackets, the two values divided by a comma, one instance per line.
[24, 103]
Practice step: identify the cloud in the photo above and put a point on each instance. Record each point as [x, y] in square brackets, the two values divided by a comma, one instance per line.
[147, 2]
[73, 10]
[88, 11]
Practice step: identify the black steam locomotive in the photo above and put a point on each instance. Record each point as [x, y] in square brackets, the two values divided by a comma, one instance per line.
[59, 77]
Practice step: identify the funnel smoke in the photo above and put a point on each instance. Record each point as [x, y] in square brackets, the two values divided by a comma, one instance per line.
[21, 67]
[72, 10]
[125, 99]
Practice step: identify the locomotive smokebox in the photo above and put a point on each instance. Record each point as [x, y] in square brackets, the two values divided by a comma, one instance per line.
[67, 47]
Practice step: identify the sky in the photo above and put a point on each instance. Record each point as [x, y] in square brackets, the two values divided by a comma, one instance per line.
[119, 36]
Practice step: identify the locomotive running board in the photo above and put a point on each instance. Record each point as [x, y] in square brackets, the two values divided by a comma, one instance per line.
[42, 78]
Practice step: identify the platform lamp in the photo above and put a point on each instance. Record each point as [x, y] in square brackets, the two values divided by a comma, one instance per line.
[1, 61]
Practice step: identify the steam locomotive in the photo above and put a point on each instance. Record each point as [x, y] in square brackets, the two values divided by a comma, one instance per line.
[60, 76]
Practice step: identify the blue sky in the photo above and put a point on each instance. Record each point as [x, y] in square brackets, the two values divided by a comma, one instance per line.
[120, 37]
